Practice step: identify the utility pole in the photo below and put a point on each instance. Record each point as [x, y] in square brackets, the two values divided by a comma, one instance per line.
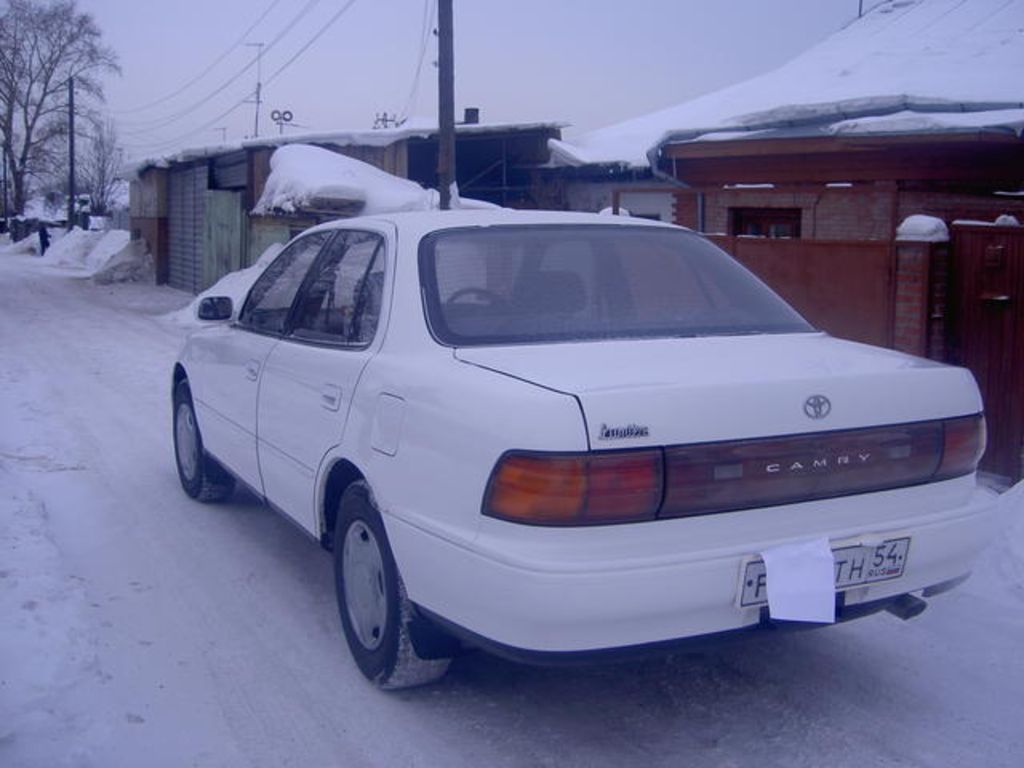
[71, 152]
[446, 102]
[7, 216]
[259, 86]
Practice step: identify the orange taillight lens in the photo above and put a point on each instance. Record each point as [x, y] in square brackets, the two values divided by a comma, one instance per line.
[576, 489]
[963, 446]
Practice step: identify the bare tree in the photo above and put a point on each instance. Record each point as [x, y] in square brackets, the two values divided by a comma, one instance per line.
[100, 166]
[42, 46]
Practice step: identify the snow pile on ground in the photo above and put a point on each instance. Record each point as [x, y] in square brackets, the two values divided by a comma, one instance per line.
[303, 176]
[27, 246]
[234, 285]
[107, 257]
[923, 229]
[72, 250]
[88, 251]
[912, 64]
[133, 263]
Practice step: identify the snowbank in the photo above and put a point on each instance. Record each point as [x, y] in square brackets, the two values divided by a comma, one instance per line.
[923, 229]
[234, 285]
[107, 257]
[303, 176]
[27, 246]
[86, 251]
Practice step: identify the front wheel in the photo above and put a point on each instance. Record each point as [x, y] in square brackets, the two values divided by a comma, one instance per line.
[375, 612]
[201, 477]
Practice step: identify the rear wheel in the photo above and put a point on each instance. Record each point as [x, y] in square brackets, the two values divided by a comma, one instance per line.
[375, 612]
[201, 477]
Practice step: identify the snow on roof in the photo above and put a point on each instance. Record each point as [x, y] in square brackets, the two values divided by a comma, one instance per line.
[907, 66]
[376, 137]
[304, 176]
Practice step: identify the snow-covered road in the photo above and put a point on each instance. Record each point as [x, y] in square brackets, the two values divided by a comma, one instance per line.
[139, 628]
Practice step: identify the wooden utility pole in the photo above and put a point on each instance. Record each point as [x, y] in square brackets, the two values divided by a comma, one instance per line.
[446, 102]
[71, 152]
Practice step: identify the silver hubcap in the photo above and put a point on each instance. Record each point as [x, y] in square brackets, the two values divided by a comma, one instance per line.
[363, 572]
[187, 442]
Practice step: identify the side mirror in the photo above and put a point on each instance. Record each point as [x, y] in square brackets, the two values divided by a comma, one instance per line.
[215, 308]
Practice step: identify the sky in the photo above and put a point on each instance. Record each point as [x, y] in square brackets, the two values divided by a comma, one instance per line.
[188, 66]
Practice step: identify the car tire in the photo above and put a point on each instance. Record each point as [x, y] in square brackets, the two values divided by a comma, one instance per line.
[201, 476]
[376, 614]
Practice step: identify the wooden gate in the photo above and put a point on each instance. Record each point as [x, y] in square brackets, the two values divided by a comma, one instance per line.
[843, 287]
[987, 296]
[224, 244]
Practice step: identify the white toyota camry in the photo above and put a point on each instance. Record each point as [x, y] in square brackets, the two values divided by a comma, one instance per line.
[556, 435]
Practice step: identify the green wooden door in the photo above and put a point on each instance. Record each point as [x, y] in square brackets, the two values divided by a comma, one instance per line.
[224, 235]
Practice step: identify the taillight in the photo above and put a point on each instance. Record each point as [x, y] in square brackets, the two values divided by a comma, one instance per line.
[576, 489]
[677, 481]
[963, 446]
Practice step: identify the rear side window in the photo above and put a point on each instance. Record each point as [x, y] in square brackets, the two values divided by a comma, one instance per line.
[523, 284]
[341, 303]
[270, 298]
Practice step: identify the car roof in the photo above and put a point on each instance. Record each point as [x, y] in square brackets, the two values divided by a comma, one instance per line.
[430, 221]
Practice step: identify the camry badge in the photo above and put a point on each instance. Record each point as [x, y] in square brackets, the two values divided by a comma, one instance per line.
[817, 407]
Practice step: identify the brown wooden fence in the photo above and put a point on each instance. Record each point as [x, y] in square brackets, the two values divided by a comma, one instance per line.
[987, 297]
[842, 287]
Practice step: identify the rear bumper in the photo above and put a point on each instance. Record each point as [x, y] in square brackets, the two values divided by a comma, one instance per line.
[591, 592]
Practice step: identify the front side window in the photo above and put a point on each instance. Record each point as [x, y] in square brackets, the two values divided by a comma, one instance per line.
[523, 284]
[341, 303]
[270, 298]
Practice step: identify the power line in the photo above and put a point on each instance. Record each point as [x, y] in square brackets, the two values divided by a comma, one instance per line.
[429, 14]
[317, 36]
[331, 22]
[174, 118]
[241, 39]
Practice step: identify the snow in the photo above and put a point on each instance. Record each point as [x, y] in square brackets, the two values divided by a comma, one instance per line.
[143, 629]
[1005, 220]
[301, 176]
[923, 229]
[307, 177]
[906, 66]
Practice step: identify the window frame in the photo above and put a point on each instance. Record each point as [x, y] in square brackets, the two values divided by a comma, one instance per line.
[338, 234]
[242, 324]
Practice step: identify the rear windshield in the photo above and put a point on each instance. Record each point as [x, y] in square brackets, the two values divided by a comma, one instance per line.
[526, 284]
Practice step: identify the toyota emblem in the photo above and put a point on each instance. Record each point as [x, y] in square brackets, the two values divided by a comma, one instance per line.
[817, 407]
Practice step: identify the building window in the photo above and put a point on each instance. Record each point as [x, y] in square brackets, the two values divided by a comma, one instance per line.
[765, 222]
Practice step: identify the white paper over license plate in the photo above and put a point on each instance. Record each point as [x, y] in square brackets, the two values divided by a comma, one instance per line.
[854, 566]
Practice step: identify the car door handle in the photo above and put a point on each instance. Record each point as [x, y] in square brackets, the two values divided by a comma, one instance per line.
[330, 397]
[252, 370]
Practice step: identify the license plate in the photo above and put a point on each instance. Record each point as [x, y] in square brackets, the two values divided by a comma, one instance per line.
[854, 566]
